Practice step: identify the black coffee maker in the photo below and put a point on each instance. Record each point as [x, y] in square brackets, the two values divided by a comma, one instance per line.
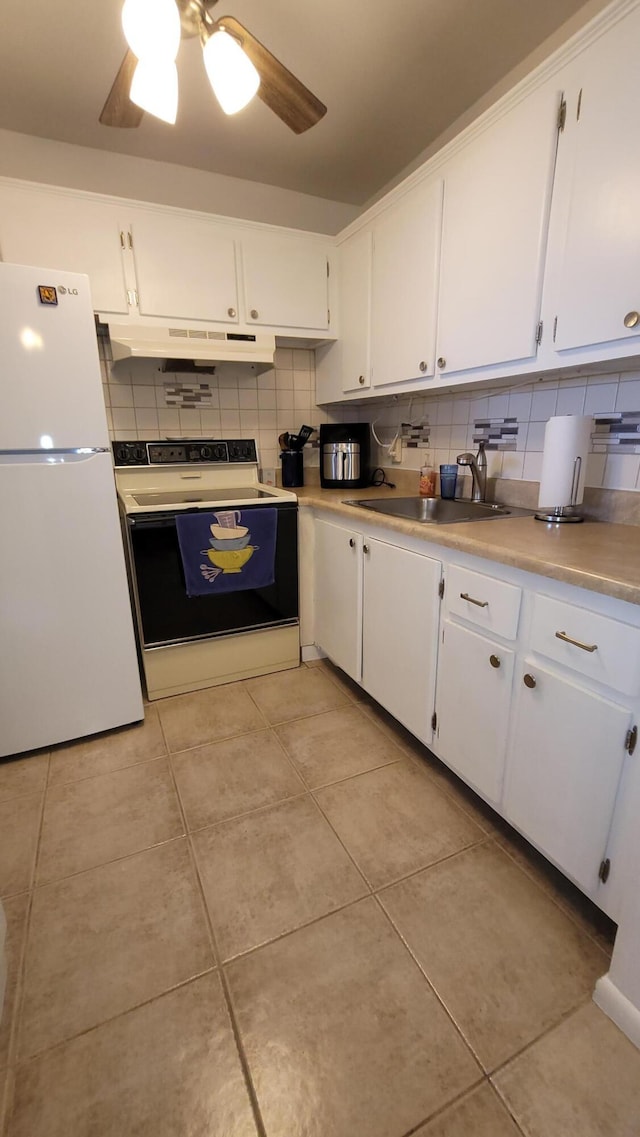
[344, 455]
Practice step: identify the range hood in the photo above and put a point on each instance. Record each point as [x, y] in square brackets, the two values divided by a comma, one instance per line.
[191, 349]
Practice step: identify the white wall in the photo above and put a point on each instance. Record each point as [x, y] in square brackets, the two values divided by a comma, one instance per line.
[101, 171]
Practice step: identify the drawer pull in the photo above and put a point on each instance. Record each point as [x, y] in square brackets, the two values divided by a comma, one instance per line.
[576, 643]
[479, 603]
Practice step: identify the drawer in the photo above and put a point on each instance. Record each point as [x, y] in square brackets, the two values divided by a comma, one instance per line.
[605, 650]
[482, 600]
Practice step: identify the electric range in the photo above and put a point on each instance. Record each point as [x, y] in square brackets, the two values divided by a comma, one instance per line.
[189, 641]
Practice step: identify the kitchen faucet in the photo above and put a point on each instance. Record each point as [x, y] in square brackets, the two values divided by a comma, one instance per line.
[478, 466]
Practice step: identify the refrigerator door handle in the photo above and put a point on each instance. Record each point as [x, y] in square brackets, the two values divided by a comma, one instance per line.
[49, 457]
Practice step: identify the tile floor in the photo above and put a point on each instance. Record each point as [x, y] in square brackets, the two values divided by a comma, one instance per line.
[269, 911]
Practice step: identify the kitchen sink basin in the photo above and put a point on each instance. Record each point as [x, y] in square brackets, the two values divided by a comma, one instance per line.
[438, 510]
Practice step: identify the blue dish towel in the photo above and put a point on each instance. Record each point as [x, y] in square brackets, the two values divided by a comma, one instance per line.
[235, 571]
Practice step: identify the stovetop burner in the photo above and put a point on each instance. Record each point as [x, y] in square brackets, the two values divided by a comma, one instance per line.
[186, 497]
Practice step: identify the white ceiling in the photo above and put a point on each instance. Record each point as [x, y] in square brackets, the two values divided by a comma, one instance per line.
[393, 77]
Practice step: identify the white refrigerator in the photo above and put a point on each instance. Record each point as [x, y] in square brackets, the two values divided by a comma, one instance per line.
[68, 664]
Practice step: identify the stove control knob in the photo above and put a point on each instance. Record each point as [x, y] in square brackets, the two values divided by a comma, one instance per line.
[206, 453]
[220, 454]
[139, 454]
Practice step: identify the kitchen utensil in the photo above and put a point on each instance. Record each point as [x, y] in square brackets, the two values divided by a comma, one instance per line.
[228, 518]
[231, 560]
[233, 543]
[225, 533]
[283, 440]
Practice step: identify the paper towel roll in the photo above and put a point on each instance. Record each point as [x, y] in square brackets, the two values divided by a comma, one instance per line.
[566, 438]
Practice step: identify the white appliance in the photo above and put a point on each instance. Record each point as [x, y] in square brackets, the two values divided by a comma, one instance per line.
[68, 665]
[202, 346]
[187, 643]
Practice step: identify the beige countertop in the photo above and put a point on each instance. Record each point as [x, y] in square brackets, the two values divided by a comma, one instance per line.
[596, 555]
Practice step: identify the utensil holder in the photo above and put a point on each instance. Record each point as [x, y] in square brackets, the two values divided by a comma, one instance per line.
[292, 468]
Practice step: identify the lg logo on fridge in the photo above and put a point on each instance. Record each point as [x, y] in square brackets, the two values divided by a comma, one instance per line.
[67, 291]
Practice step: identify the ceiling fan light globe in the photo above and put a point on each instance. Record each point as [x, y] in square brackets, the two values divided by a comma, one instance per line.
[230, 71]
[152, 28]
[154, 87]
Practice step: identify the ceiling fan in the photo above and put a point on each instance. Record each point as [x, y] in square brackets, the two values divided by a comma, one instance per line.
[237, 64]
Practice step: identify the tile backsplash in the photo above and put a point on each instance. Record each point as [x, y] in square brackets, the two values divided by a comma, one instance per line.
[513, 422]
[144, 402]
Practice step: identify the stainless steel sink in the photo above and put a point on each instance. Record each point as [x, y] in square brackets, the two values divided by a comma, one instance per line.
[438, 510]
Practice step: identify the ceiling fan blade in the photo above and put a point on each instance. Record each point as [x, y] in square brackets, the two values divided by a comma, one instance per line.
[118, 109]
[285, 95]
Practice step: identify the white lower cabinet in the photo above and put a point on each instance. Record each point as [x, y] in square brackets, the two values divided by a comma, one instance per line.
[565, 762]
[401, 612]
[338, 596]
[473, 700]
[376, 617]
[546, 745]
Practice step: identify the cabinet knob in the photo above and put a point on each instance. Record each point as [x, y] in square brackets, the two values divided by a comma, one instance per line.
[441, 361]
[632, 319]
[494, 660]
[351, 542]
[361, 380]
[529, 681]
[423, 365]
[365, 548]
[254, 313]
[231, 312]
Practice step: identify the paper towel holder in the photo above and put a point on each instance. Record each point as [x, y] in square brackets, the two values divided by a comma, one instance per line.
[563, 514]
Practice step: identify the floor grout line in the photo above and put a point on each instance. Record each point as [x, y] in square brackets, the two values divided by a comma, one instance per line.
[226, 990]
[448, 1105]
[104, 773]
[28, 1059]
[221, 965]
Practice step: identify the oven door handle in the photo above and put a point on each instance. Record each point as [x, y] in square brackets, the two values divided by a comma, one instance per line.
[159, 520]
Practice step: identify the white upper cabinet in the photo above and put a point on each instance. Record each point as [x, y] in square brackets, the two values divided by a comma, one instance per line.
[64, 231]
[406, 253]
[594, 277]
[497, 198]
[286, 281]
[185, 267]
[354, 274]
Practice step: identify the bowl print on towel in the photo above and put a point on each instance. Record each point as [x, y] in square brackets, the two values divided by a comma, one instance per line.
[241, 552]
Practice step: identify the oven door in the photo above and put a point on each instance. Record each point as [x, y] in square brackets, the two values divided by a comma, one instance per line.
[166, 614]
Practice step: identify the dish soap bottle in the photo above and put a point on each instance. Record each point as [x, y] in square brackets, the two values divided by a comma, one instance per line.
[427, 480]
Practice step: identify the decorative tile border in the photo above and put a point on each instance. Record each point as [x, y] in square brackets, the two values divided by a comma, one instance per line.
[496, 433]
[185, 395]
[416, 436]
[616, 431]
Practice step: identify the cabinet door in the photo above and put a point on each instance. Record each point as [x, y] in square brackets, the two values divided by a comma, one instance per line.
[406, 253]
[400, 632]
[355, 311]
[75, 234]
[185, 268]
[285, 281]
[566, 759]
[338, 596]
[598, 188]
[475, 677]
[498, 191]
